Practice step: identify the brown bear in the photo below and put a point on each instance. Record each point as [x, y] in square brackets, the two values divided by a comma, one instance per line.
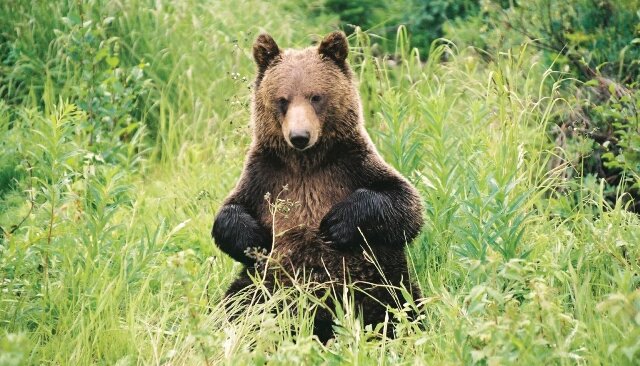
[350, 213]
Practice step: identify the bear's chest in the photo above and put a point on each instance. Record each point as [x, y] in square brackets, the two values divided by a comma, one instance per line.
[303, 199]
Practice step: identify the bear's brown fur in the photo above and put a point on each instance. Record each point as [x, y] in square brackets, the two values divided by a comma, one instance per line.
[346, 204]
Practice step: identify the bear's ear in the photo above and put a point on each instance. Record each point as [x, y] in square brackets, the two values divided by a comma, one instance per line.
[335, 46]
[265, 50]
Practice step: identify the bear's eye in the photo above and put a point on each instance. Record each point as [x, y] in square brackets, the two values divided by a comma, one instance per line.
[315, 98]
[283, 104]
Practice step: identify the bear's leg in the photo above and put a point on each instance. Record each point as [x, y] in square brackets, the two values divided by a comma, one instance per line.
[323, 329]
[301, 250]
[238, 297]
[239, 284]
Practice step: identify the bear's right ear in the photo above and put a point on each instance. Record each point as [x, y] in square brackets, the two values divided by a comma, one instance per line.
[265, 50]
[335, 46]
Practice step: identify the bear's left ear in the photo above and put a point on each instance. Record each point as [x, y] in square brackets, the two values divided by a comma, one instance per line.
[335, 46]
[265, 50]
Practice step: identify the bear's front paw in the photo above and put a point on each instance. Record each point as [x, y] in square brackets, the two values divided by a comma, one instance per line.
[338, 227]
[239, 235]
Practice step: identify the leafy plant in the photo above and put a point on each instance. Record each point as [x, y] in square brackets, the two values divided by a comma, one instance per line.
[109, 183]
[594, 42]
[424, 20]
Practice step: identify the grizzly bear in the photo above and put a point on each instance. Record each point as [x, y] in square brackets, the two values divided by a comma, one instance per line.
[350, 214]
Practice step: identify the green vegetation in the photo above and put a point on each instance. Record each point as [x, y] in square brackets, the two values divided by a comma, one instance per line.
[423, 19]
[123, 125]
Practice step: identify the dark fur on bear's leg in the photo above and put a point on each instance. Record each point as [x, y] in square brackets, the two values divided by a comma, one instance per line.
[323, 329]
[236, 232]
[302, 249]
[237, 297]
[240, 284]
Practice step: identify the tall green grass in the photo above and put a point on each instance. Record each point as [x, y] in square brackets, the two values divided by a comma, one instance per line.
[124, 126]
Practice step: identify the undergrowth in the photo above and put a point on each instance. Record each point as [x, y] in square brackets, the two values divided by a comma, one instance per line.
[124, 125]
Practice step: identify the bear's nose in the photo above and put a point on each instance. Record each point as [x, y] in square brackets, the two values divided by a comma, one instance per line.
[299, 139]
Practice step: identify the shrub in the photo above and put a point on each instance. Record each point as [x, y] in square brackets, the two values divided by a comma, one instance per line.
[423, 19]
[594, 46]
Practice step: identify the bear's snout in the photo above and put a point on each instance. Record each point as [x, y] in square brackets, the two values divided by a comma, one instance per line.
[299, 139]
[301, 126]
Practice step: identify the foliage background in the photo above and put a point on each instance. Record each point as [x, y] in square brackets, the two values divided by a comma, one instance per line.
[123, 125]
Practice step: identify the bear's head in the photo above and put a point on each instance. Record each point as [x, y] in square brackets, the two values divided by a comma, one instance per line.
[304, 100]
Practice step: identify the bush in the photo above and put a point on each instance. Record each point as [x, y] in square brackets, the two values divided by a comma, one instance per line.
[593, 45]
[423, 19]
[72, 49]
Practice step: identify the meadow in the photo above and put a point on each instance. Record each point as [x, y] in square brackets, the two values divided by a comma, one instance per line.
[124, 124]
